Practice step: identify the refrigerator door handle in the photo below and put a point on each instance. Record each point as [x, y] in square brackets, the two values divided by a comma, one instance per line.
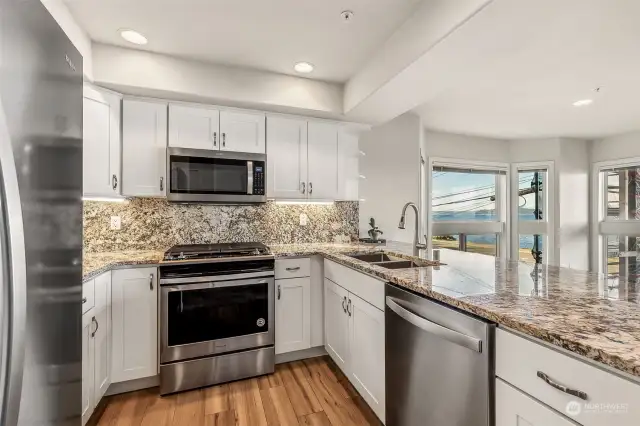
[433, 328]
[14, 282]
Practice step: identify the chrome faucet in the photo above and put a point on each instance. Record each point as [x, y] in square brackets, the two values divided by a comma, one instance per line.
[417, 246]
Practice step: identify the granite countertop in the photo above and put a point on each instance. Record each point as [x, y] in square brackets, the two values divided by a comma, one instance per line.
[579, 311]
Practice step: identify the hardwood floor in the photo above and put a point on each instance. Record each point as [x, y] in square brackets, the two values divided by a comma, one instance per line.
[313, 392]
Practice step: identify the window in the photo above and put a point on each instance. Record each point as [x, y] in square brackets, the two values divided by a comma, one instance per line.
[468, 207]
[532, 235]
[617, 229]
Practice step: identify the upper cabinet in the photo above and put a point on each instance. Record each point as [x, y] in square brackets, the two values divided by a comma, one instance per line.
[348, 163]
[287, 158]
[243, 132]
[322, 140]
[144, 148]
[209, 128]
[191, 127]
[101, 143]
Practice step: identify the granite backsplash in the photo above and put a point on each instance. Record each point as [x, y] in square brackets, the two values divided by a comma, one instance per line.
[155, 224]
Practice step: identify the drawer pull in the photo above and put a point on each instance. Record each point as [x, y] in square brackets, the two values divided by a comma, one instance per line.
[84, 300]
[297, 268]
[573, 392]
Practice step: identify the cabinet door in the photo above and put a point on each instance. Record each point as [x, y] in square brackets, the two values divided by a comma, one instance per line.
[101, 143]
[348, 165]
[134, 309]
[144, 148]
[102, 337]
[515, 408]
[293, 314]
[336, 323]
[192, 127]
[87, 366]
[366, 363]
[242, 132]
[286, 158]
[322, 161]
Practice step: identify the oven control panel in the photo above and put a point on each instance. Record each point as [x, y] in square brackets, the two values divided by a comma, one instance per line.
[258, 178]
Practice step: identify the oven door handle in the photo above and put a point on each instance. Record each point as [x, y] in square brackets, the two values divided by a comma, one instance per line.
[217, 284]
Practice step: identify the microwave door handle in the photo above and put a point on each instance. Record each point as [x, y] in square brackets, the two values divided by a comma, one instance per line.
[250, 177]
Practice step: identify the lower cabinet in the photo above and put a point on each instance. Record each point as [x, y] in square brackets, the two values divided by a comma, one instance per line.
[293, 314]
[96, 346]
[354, 338]
[134, 311]
[515, 408]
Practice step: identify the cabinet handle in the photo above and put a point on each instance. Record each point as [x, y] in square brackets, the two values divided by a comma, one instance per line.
[349, 307]
[151, 282]
[297, 268]
[279, 291]
[95, 321]
[561, 388]
[215, 138]
[304, 187]
[161, 183]
[114, 182]
[84, 300]
[224, 139]
[310, 188]
[344, 300]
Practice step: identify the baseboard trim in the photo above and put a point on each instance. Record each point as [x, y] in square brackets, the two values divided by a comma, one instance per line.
[133, 385]
[303, 354]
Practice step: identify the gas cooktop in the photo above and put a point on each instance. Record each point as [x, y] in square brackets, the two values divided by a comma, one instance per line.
[215, 251]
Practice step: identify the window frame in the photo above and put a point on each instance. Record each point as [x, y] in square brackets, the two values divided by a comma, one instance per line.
[500, 227]
[545, 227]
[601, 225]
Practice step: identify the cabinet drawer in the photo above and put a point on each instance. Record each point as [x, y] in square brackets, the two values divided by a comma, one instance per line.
[293, 268]
[88, 295]
[365, 287]
[611, 400]
[516, 408]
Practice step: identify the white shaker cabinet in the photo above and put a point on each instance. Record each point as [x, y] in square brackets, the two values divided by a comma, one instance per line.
[322, 168]
[336, 323]
[293, 314]
[194, 127]
[243, 131]
[287, 158]
[514, 408]
[134, 324]
[366, 352]
[101, 156]
[87, 366]
[144, 148]
[348, 164]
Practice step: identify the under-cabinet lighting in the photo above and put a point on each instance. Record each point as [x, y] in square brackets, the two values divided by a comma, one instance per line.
[326, 203]
[106, 199]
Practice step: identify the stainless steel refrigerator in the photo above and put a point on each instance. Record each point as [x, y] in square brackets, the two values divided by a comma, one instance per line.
[40, 219]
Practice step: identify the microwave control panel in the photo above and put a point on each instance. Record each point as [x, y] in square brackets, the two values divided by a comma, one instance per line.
[258, 179]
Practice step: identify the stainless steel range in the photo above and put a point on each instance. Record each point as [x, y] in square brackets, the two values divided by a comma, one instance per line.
[216, 314]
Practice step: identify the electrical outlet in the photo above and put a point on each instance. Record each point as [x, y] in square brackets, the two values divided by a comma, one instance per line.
[115, 222]
[303, 219]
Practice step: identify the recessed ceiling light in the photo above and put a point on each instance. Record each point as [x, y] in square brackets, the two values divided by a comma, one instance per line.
[583, 102]
[133, 36]
[303, 67]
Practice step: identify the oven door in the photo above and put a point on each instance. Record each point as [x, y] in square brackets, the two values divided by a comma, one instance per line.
[199, 175]
[210, 318]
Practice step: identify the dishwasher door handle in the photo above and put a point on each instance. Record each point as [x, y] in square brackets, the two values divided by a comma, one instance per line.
[433, 328]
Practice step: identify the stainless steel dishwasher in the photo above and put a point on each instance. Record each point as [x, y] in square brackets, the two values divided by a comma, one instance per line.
[439, 364]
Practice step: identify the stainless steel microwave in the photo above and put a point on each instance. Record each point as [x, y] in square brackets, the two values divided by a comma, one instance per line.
[208, 176]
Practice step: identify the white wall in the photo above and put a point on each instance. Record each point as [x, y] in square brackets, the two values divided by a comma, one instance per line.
[626, 145]
[74, 31]
[391, 167]
[463, 147]
[150, 74]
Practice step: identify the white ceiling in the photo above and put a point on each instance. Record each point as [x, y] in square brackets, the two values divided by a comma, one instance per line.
[263, 34]
[514, 70]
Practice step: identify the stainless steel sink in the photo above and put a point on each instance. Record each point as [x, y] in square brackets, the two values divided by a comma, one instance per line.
[372, 257]
[397, 264]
